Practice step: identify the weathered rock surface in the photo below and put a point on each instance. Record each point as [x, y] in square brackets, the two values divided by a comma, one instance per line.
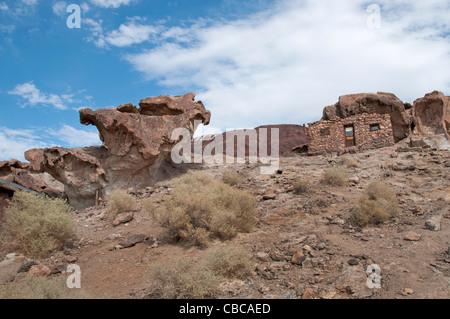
[20, 173]
[135, 152]
[431, 120]
[380, 103]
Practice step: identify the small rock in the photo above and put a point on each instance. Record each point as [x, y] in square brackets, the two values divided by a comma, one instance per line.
[353, 262]
[57, 269]
[123, 218]
[412, 236]
[321, 246]
[276, 256]
[39, 270]
[133, 240]
[298, 258]
[407, 291]
[434, 223]
[269, 196]
[26, 266]
[262, 256]
[70, 259]
[11, 256]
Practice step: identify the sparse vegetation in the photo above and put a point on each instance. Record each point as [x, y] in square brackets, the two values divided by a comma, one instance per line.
[301, 186]
[37, 225]
[335, 176]
[201, 208]
[118, 202]
[377, 206]
[182, 279]
[32, 287]
[349, 162]
[231, 178]
[230, 262]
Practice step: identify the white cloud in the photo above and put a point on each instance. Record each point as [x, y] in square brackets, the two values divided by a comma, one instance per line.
[59, 8]
[30, 2]
[34, 96]
[131, 33]
[111, 3]
[72, 137]
[96, 30]
[3, 6]
[14, 143]
[285, 65]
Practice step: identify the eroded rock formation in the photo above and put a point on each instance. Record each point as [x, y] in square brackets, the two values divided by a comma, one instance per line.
[380, 103]
[21, 173]
[135, 152]
[431, 120]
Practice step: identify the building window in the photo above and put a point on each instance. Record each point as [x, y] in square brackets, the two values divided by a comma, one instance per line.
[374, 127]
[325, 131]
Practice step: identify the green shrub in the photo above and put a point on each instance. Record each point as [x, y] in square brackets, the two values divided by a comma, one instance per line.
[301, 186]
[201, 208]
[231, 178]
[182, 279]
[32, 287]
[38, 225]
[377, 206]
[335, 176]
[230, 262]
[119, 202]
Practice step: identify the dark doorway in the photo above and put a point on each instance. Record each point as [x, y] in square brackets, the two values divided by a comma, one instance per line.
[349, 136]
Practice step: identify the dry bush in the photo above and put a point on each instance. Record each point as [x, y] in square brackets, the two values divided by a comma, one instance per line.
[231, 178]
[119, 202]
[148, 206]
[32, 287]
[349, 162]
[335, 176]
[200, 208]
[301, 186]
[182, 279]
[377, 206]
[38, 225]
[230, 262]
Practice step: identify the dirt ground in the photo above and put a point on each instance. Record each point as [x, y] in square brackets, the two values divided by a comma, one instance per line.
[337, 254]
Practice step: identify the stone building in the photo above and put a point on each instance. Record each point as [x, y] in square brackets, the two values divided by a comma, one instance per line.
[350, 135]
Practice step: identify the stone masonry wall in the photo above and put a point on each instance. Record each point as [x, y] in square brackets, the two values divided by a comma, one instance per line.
[329, 136]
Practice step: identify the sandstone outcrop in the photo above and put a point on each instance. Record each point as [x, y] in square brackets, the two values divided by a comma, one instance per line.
[431, 120]
[369, 103]
[21, 173]
[135, 152]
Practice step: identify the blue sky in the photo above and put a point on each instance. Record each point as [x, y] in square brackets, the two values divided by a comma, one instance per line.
[251, 62]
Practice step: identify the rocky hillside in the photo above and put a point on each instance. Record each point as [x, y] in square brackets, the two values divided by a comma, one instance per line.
[303, 246]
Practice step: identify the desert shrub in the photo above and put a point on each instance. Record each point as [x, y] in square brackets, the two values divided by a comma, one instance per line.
[201, 207]
[182, 279]
[148, 206]
[37, 225]
[230, 262]
[32, 287]
[231, 178]
[335, 176]
[349, 162]
[118, 202]
[377, 206]
[301, 186]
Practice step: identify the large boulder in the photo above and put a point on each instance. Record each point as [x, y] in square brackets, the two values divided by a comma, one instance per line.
[431, 120]
[135, 152]
[379, 103]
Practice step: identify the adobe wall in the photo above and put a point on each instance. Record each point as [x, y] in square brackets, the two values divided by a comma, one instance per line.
[329, 136]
